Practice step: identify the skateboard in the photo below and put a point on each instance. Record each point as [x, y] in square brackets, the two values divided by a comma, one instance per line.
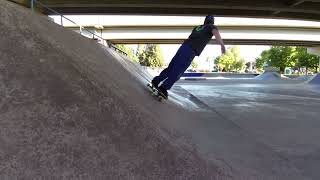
[156, 93]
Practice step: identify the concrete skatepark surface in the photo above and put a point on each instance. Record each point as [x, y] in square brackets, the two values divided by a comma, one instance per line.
[315, 80]
[72, 109]
[269, 76]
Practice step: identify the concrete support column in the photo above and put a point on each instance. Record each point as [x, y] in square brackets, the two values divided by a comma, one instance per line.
[32, 5]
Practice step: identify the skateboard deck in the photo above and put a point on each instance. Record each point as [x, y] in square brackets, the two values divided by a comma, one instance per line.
[155, 93]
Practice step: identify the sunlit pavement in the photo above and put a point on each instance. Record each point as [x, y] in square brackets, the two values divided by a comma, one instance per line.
[282, 115]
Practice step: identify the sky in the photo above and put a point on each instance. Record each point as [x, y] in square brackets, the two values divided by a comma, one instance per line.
[249, 53]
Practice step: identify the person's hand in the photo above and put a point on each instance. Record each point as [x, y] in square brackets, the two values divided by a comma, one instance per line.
[223, 49]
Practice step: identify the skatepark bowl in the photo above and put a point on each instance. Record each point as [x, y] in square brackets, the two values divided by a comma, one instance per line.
[71, 108]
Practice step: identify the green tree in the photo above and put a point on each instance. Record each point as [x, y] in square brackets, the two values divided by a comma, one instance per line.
[282, 57]
[152, 56]
[194, 64]
[141, 53]
[263, 58]
[287, 56]
[231, 60]
[224, 62]
[129, 51]
[239, 65]
[304, 59]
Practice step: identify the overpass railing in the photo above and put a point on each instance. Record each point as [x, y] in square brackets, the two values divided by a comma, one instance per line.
[82, 29]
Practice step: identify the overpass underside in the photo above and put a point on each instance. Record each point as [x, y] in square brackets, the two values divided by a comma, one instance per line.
[289, 9]
[232, 35]
[226, 41]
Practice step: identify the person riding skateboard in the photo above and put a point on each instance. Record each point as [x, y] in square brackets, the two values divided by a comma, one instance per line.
[193, 46]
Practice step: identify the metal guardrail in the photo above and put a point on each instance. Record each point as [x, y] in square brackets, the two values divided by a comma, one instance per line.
[117, 49]
[33, 4]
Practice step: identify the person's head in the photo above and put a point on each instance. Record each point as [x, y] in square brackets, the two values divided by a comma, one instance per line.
[209, 19]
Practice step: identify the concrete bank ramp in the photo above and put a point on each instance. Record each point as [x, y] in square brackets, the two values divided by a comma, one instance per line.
[70, 109]
[315, 80]
[270, 76]
[304, 78]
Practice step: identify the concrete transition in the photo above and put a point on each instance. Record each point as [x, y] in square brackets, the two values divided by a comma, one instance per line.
[71, 109]
[269, 76]
[303, 78]
[315, 80]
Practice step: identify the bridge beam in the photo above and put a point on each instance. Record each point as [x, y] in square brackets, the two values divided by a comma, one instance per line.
[249, 35]
[292, 9]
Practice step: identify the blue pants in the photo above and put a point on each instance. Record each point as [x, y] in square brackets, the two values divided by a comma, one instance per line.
[178, 65]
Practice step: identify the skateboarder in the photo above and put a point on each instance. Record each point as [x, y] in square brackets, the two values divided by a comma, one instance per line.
[191, 47]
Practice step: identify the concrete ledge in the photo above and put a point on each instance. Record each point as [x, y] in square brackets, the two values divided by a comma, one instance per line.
[195, 78]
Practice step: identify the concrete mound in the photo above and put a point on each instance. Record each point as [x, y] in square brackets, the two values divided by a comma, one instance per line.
[304, 78]
[270, 76]
[70, 109]
[315, 80]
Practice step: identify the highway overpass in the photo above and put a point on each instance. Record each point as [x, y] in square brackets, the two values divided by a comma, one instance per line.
[232, 34]
[288, 9]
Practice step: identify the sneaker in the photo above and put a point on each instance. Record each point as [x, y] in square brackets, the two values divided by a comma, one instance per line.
[154, 84]
[163, 91]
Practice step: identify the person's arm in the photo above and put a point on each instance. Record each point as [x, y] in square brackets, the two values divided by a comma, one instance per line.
[216, 33]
